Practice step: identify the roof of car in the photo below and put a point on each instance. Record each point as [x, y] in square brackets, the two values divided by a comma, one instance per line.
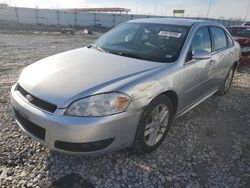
[171, 21]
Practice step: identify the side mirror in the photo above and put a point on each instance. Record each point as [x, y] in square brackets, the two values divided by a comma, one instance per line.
[201, 54]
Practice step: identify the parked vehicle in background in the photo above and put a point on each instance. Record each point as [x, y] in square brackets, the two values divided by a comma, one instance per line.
[125, 88]
[246, 24]
[242, 35]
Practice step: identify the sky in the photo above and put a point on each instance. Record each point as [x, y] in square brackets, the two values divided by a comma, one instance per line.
[194, 8]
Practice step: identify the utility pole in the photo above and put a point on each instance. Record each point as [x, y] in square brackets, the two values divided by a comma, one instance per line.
[209, 7]
[248, 4]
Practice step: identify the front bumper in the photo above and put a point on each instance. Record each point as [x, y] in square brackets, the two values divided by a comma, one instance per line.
[119, 129]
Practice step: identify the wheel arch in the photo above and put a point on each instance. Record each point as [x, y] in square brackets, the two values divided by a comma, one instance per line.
[172, 95]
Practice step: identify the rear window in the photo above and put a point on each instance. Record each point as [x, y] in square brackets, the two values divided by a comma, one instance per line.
[219, 38]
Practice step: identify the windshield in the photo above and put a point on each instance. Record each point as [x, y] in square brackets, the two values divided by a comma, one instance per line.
[239, 32]
[153, 42]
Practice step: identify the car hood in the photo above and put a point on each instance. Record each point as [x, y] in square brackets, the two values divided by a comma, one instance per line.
[78, 73]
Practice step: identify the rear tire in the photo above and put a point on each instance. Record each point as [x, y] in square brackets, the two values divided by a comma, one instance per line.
[154, 125]
[227, 82]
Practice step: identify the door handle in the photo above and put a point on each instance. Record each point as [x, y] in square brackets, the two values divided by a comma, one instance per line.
[211, 62]
[231, 53]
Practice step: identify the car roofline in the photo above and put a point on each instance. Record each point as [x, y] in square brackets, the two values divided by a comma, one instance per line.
[176, 21]
[169, 21]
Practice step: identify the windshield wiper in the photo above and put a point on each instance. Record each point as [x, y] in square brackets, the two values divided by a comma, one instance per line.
[96, 47]
[126, 54]
[132, 55]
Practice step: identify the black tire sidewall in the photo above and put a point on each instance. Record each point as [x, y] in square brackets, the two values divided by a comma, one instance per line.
[226, 90]
[139, 142]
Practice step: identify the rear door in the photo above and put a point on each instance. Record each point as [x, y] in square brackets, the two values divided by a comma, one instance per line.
[221, 56]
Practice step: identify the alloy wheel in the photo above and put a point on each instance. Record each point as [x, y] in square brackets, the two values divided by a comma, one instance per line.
[156, 125]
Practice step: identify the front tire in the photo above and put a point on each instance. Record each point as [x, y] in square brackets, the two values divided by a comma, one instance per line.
[154, 125]
[227, 82]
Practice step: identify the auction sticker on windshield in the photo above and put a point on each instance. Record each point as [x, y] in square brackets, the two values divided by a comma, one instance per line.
[169, 34]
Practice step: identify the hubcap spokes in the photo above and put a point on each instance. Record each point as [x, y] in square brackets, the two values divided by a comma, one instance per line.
[156, 125]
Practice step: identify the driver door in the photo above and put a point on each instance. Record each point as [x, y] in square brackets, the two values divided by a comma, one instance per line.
[196, 71]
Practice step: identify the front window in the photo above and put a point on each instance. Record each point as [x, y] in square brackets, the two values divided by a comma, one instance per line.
[201, 40]
[153, 42]
[239, 32]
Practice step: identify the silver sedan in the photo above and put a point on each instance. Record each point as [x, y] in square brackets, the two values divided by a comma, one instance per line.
[125, 88]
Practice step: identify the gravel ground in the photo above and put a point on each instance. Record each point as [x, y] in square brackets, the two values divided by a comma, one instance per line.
[207, 147]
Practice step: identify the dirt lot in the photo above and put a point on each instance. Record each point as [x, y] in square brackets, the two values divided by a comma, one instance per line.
[207, 147]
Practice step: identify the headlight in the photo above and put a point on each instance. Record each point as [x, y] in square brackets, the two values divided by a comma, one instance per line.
[99, 105]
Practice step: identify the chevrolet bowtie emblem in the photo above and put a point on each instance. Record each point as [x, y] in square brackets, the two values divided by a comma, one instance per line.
[29, 98]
